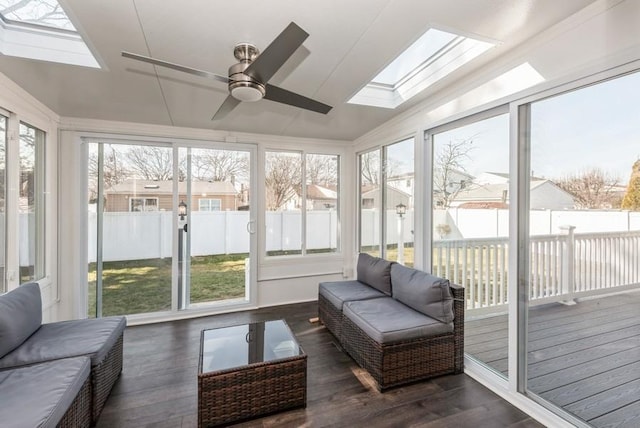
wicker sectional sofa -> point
(58, 374)
(399, 323)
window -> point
(369, 197)
(321, 203)
(143, 204)
(209, 205)
(3, 169)
(40, 29)
(301, 219)
(432, 57)
(386, 212)
(31, 203)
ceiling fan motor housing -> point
(241, 86)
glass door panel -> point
(470, 229)
(130, 219)
(218, 238)
(583, 342)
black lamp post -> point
(401, 209)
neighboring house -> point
(371, 196)
(444, 193)
(149, 195)
(405, 183)
(544, 194)
(321, 198)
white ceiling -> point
(349, 43)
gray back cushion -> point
(423, 292)
(20, 316)
(375, 272)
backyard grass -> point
(140, 286)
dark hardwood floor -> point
(158, 386)
(584, 358)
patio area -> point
(158, 386)
(584, 357)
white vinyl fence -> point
(148, 235)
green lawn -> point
(139, 286)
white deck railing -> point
(562, 267)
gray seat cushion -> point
(375, 272)
(386, 320)
(20, 316)
(39, 395)
(91, 337)
(338, 292)
(423, 292)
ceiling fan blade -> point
(277, 53)
(283, 96)
(229, 104)
(173, 66)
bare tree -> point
(449, 170)
(322, 170)
(591, 188)
(370, 168)
(151, 163)
(283, 174)
(114, 170)
(44, 12)
(220, 165)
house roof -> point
(494, 192)
(320, 193)
(152, 187)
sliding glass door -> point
(170, 227)
(470, 227)
(583, 315)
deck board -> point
(583, 357)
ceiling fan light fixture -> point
(247, 91)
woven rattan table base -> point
(251, 391)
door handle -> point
(250, 228)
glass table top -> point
(228, 347)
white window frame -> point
(144, 200)
(209, 204)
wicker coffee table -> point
(249, 370)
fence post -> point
(568, 265)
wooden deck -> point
(158, 386)
(584, 358)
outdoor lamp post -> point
(182, 210)
(401, 210)
(182, 228)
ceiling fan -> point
(248, 79)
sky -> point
(597, 126)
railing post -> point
(568, 265)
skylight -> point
(430, 58)
(40, 29)
(47, 13)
